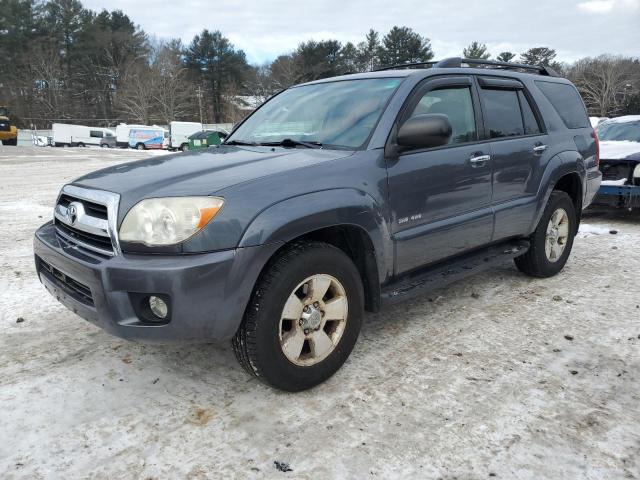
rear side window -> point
(95, 133)
(502, 112)
(567, 102)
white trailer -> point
(66, 135)
(179, 133)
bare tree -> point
(605, 81)
(173, 92)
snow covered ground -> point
(499, 376)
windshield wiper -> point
(288, 142)
(240, 142)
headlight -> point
(167, 221)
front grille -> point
(95, 209)
(71, 234)
(81, 217)
(77, 290)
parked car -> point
(620, 162)
(595, 121)
(384, 185)
(108, 141)
(66, 135)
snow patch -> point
(586, 228)
(618, 149)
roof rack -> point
(457, 62)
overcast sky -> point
(267, 28)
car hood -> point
(618, 150)
(201, 173)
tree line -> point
(64, 62)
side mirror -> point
(425, 131)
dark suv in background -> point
(334, 197)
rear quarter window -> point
(567, 102)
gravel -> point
(457, 385)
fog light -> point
(158, 307)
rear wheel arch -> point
(571, 184)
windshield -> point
(629, 131)
(334, 114)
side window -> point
(455, 103)
(502, 112)
(531, 126)
(567, 102)
(95, 133)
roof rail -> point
(457, 62)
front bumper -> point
(623, 196)
(208, 292)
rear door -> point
(440, 198)
(518, 151)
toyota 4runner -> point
(334, 197)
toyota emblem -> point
(72, 213)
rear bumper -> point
(207, 292)
(593, 180)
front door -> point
(440, 197)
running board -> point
(447, 272)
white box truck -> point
(122, 134)
(179, 133)
(66, 135)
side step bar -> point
(447, 272)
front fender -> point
(297, 216)
(563, 163)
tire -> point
(184, 147)
(81, 144)
(104, 145)
(258, 343)
(538, 261)
(140, 146)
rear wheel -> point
(303, 319)
(552, 240)
(184, 147)
(140, 146)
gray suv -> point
(334, 197)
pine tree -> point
(477, 51)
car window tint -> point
(502, 111)
(531, 126)
(567, 102)
(455, 103)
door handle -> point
(539, 148)
(479, 161)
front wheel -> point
(552, 240)
(140, 146)
(303, 319)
